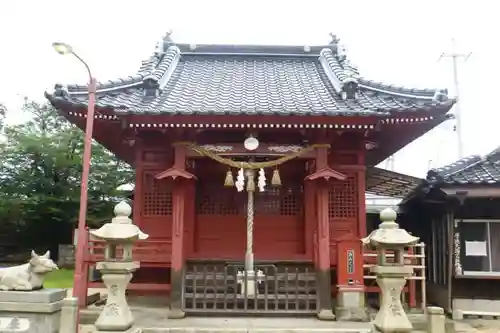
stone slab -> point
(38, 322)
(255, 325)
(14, 324)
(93, 329)
(8, 307)
(251, 330)
(33, 296)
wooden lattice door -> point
(220, 227)
(156, 212)
(219, 214)
(279, 219)
(343, 206)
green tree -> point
(40, 172)
(3, 111)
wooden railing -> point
(147, 252)
(414, 258)
(150, 254)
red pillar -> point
(361, 175)
(323, 234)
(138, 188)
(177, 259)
(310, 219)
(189, 218)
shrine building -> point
(252, 164)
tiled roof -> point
(389, 183)
(226, 79)
(470, 170)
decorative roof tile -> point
(469, 170)
(247, 79)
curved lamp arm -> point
(63, 49)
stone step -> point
(258, 325)
(252, 330)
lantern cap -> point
(389, 235)
(121, 228)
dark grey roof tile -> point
(469, 170)
(252, 80)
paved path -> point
(243, 325)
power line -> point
(454, 55)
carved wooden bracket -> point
(326, 173)
(175, 173)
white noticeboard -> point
(476, 248)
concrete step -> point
(150, 324)
(258, 325)
(253, 330)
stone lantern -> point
(391, 276)
(117, 268)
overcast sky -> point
(396, 42)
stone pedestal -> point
(436, 320)
(391, 272)
(36, 311)
(69, 315)
(391, 316)
(117, 267)
(116, 315)
(351, 304)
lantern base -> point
(116, 314)
(391, 316)
(326, 315)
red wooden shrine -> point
(216, 96)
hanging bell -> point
(229, 181)
(276, 179)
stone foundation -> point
(42, 308)
(351, 304)
(475, 307)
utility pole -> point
(455, 55)
(389, 163)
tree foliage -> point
(40, 173)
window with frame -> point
(479, 247)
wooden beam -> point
(237, 149)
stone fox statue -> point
(28, 276)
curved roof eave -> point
(343, 78)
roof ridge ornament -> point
(441, 95)
(167, 37)
(163, 45)
(342, 52)
(343, 78)
(334, 39)
(167, 40)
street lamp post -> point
(79, 283)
